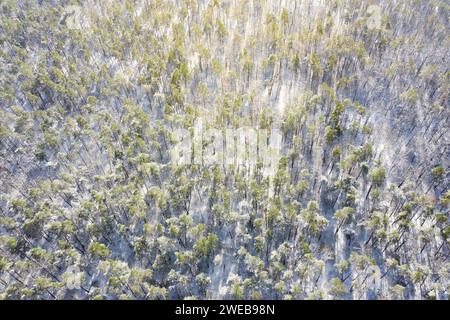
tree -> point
(343, 215)
(205, 245)
(337, 288)
(99, 250)
(377, 176)
(315, 223)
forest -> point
(321, 168)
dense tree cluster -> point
(92, 207)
